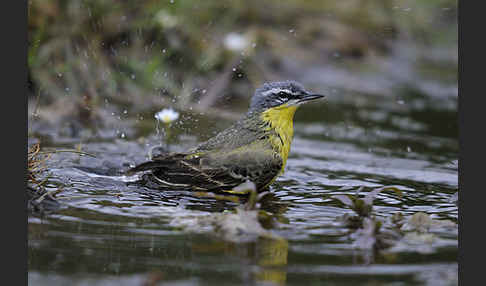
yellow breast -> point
(281, 120)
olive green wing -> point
(250, 162)
(184, 172)
(244, 132)
(212, 171)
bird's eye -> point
(282, 95)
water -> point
(110, 233)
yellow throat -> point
(281, 119)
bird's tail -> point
(160, 163)
(143, 167)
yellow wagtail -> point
(255, 148)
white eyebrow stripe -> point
(276, 90)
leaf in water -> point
(366, 238)
(371, 195)
(242, 226)
(344, 199)
(362, 208)
(422, 223)
(237, 226)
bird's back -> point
(243, 132)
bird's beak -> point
(309, 96)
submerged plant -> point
(35, 164)
(367, 230)
(374, 236)
(245, 223)
(362, 207)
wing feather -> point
(212, 171)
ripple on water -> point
(128, 223)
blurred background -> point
(202, 55)
(99, 71)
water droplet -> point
(122, 135)
(409, 149)
(234, 69)
(125, 111)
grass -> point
(173, 51)
(36, 165)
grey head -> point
(274, 94)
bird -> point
(255, 148)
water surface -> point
(401, 135)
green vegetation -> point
(181, 50)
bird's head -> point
(280, 94)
